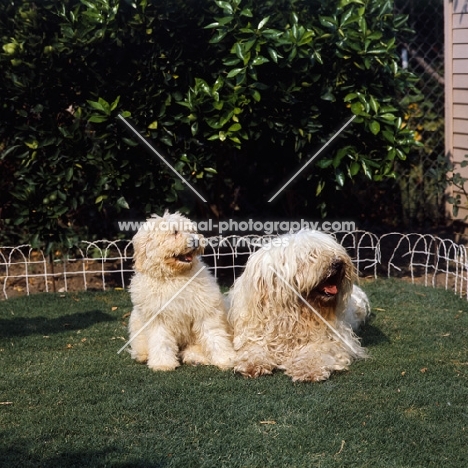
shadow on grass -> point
(96, 459)
(15, 457)
(22, 326)
(371, 335)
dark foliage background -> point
(237, 94)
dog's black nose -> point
(337, 266)
(196, 241)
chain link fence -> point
(423, 182)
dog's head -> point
(166, 245)
(325, 272)
(307, 266)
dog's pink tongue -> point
(331, 289)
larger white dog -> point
(295, 307)
(178, 309)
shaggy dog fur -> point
(273, 304)
(172, 318)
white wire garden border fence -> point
(104, 264)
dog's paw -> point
(163, 363)
(163, 367)
(253, 370)
(225, 361)
(223, 365)
(195, 362)
(194, 357)
(312, 376)
(139, 357)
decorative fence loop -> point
(105, 264)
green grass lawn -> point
(68, 399)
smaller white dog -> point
(178, 309)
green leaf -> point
(100, 198)
(239, 50)
(374, 104)
(327, 21)
(234, 72)
(69, 174)
(12, 148)
(328, 96)
(354, 168)
(391, 153)
(122, 203)
(366, 169)
(259, 60)
(229, 62)
(344, 3)
(400, 154)
(97, 118)
(273, 54)
(306, 38)
(212, 25)
(129, 142)
(226, 6)
(272, 34)
(234, 127)
(340, 177)
(249, 44)
(178, 185)
(10, 48)
(320, 187)
(96, 105)
(388, 135)
(357, 108)
(324, 163)
(256, 95)
(115, 103)
(218, 38)
(32, 144)
(350, 97)
(374, 127)
(263, 22)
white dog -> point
(178, 309)
(294, 308)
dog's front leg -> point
(162, 349)
(215, 341)
(253, 360)
(138, 339)
(316, 362)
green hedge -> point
(237, 94)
